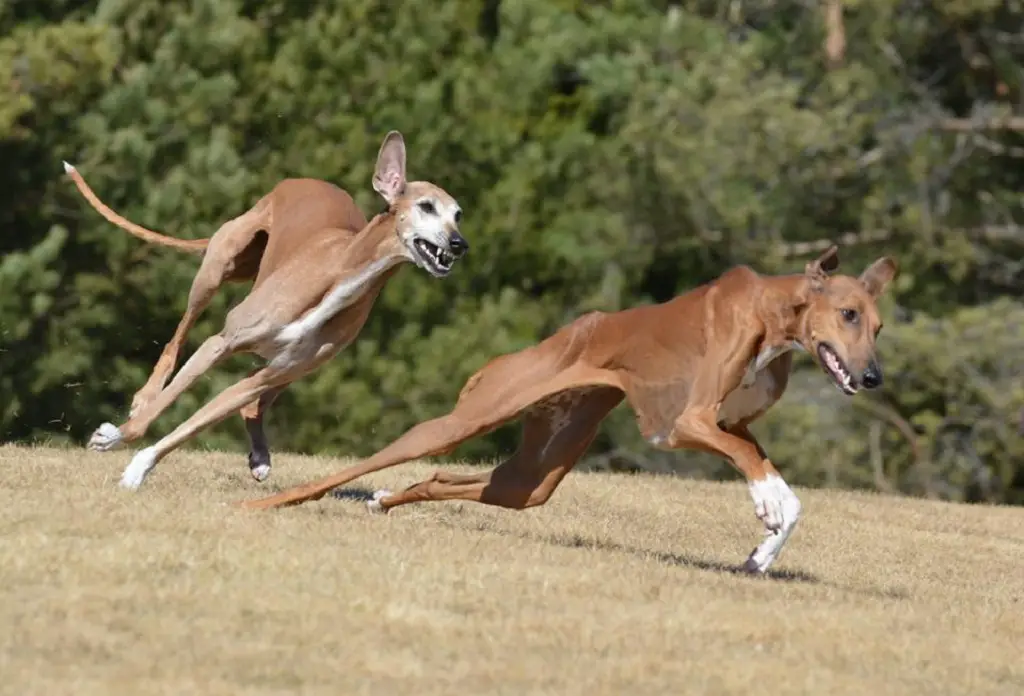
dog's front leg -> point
(775, 504)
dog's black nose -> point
(458, 244)
(872, 376)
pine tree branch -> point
(1013, 124)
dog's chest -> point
(745, 401)
(758, 390)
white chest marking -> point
(765, 357)
(757, 388)
(341, 296)
(299, 342)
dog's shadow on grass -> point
(454, 518)
(679, 559)
(673, 559)
(361, 494)
(356, 494)
(794, 575)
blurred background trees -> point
(607, 154)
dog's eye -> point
(427, 207)
(458, 216)
(850, 315)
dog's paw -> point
(136, 471)
(373, 505)
(775, 504)
(758, 562)
(778, 508)
(259, 464)
(105, 438)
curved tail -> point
(195, 246)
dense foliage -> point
(606, 153)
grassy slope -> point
(619, 583)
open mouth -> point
(436, 260)
(835, 369)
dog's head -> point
(840, 321)
(426, 216)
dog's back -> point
(301, 208)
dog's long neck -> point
(373, 256)
(780, 307)
(783, 306)
(375, 242)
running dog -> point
(318, 267)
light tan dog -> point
(697, 370)
(318, 267)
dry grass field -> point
(621, 584)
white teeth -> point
(838, 371)
(440, 257)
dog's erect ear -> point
(826, 263)
(818, 269)
(877, 276)
(389, 177)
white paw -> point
(775, 504)
(106, 437)
(374, 505)
(136, 471)
(766, 552)
(260, 472)
(778, 508)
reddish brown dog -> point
(697, 370)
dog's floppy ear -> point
(818, 269)
(877, 276)
(389, 177)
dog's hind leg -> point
(497, 393)
(429, 438)
(556, 433)
(254, 414)
(233, 254)
(217, 409)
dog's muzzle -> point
(439, 260)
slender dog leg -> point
(220, 264)
(556, 433)
(774, 503)
(426, 439)
(220, 407)
(205, 285)
(108, 435)
(253, 414)
(479, 409)
(774, 489)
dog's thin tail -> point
(195, 246)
